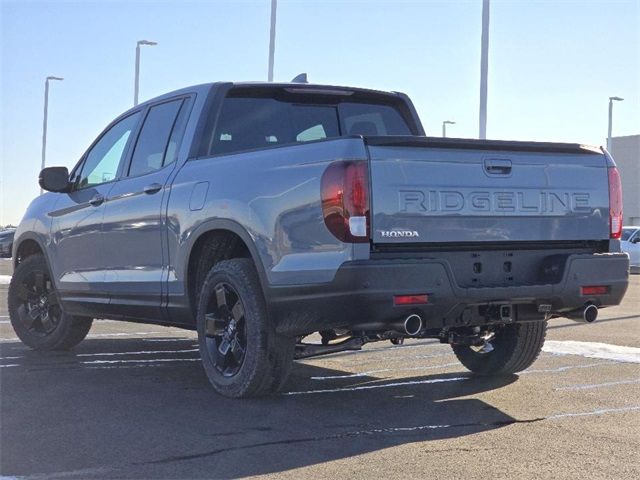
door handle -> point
(498, 166)
(153, 188)
(97, 200)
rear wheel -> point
(35, 312)
(514, 348)
(241, 353)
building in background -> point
(626, 152)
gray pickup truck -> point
(259, 214)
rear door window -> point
(153, 149)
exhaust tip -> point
(590, 314)
(413, 324)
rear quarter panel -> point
(273, 195)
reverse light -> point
(345, 200)
(594, 290)
(411, 299)
(615, 203)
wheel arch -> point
(27, 245)
(242, 245)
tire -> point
(515, 348)
(36, 315)
(241, 353)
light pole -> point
(44, 121)
(136, 86)
(444, 127)
(484, 67)
(272, 39)
(611, 100)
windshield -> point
(627, 233)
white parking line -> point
(142, 352)
(384, 370)
(5, 279)
(152, 360)
(121, 334)
(109, 354)
(386, 385)
(393, 359)
(120, 367)
(601, 411)
(433, 427)
(182, 339)
(606, 351)
(599, 385)
(568, 367)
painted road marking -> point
(141, 352)
(384, 370)
(564, 369)
(593, 350)
(600, 411)
(386, 385)
(91, 362)
(599, 385)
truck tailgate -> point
(427, 190)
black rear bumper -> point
(362, 293)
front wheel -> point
(35, 312)
(514, 348)
(241, 353)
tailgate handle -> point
(497, 166)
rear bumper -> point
(362, 292)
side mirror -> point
(54, 179)
(636, 240)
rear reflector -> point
(615, 203)
(411, 299)
(594, 290)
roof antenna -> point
(301, 78)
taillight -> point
(345, 200)
(615, 203)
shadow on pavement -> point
(163, 420)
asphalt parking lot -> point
(132, 401)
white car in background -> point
(630, 243)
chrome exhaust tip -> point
(588, 314)
(413, 324)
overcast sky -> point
(552, 65)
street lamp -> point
(44, 122)
(137, 79)
(484, 69)
(272, 39)
(444, 127)
(611, 100)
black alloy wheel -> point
(36, 312)
(242, 354)
(38, 309)
(226, 335)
